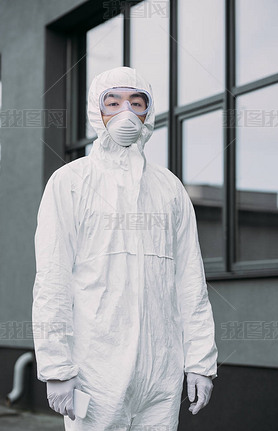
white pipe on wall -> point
(18, 381)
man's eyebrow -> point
(112, 95)
(119, 95)
(136, 95)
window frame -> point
(228, 268)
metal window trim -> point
(81, 144)
(82, 86)
(69, 105)
(73, 98)
(214, 265)
(255, 85)
(200, 109)
(161, 120)
(256, 265)
(241, 275)
(126, 34)
(174, 144)
(202, 104)
(229, 208)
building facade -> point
(213, 66)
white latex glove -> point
(204, 389)
(60, 395)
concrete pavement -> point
(19, 420)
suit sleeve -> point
(200, 352)
(52, 309)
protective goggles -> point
(118, 99)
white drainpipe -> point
(18, 382)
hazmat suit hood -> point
(105, 150)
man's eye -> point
(113, 104)
(137, 104)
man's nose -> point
(126, 106)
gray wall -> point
(22, 50)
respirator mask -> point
(124, 104)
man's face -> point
(116, 100)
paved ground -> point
(18, 420)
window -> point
(256, 175)
(104, 51)
(203, 178)
(156, 149)
(150, 48)
(200, 49)
(256, 40)
(214, 73)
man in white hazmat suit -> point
(120, 290)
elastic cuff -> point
(63, 373)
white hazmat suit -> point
(120, 297)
